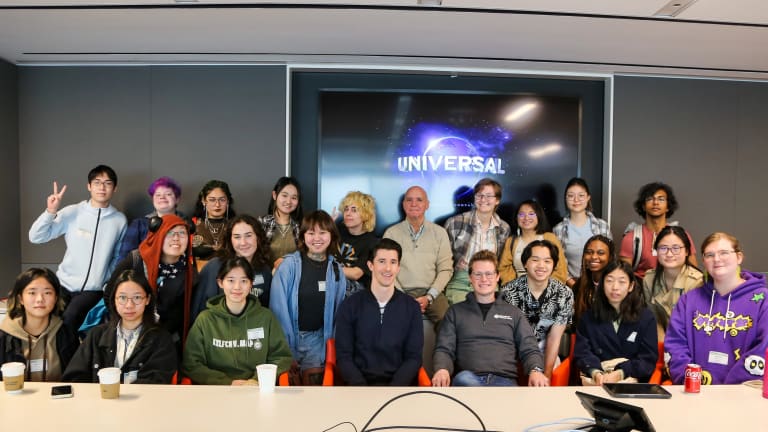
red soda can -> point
(693, 378)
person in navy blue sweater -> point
(379, 335)
(616, 339)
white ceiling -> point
(710, 37)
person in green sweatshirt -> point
(234, 334)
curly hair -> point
(207, 188)
(263, 255)
(365, 204)
(648, 191)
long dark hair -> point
(130, 275)
(630, 307)
(543, 225)
(263, 255)
(207, 188)
(298, 214)
(584, 290)
(16, 306)
(577, 181)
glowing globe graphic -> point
(441, 147)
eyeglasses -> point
(213, 201)
(136, 300)
(99, 183)
(659, 199)
(663, 250)
(487, 197)
(529, 214)
(576, 197)
(480, 275)
(722, 254)
(176, 234)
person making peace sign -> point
(92, 229)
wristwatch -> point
(430, 299)
(536, 369)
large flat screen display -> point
(383, 140)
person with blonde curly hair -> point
(357, 238)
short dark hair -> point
(386, 244)
(263, 255)
(102, 169)
(647, 191)
(16, 307)
(577, 181)
(484, 255)
(298, 214)
(553, 251)
(543, 225)
(631, 306)
(130, 275)
(232, 263)
(323, 220)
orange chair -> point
(657, 373)
(560, 374)
(331, 377)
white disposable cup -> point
(109, 380)
(267, 374)
(13, 376)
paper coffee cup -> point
(267, 374)
(13, 377)
(109, 382)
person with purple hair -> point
(165, 193)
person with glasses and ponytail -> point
(673, 276)
(33, 332)
(131, 340)
(723, 324)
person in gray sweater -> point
(482, 337)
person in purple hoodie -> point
(722, 325)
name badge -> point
(36, 365)
(130, 377)
(256, 333)
(632, 337)
(258, 279)
(321, 286)
(718, 358)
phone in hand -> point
(62, 391)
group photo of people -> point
(477, 300)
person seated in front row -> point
(244, 237)
(131, 340)
(482, 337)
(616, 339)
(723, 324)
(306, 292)
(234, 334)
(379, 334)
(545, 301)
(33, 332)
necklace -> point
(216, 231)
(283, 229)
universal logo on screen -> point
(450, 154)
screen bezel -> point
(636, 390)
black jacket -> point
(66, 345)
(154, 356)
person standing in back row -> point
(92, 230)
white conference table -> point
(223, 408)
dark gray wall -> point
(9, 176)
(708, 139)
(191, 123)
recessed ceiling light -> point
(429, 2)
(673, 8)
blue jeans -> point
(471, 379)
(310, 349)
